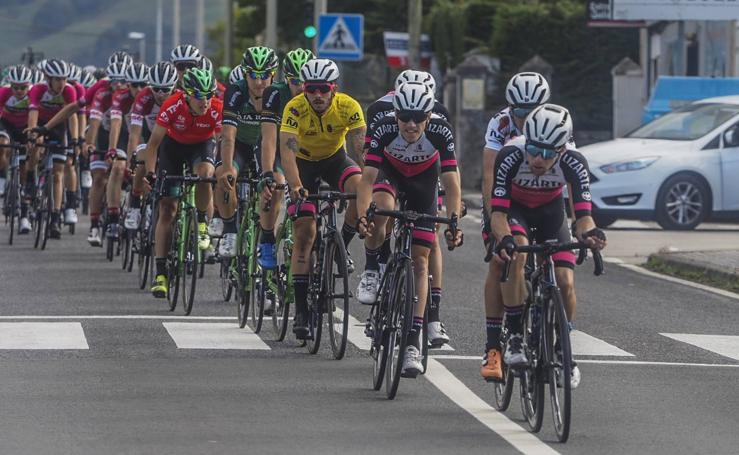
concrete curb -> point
(685, 262)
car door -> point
(730, 168)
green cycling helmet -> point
(260, 58)
(294, 60)
(198, 81)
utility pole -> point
(415, 15)
(176, 23)
(158, 39)
(319, 7)
(271, 33)
(200, 24)
(228, 33)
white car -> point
(679, 169)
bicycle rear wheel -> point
(559, 366)
(337, 295)
(225, 278)
(400, 322)
(189, 267)
(315, 304)
(531, 379)
(243, 290)
(125, 246)
(281, 287)
(378, 320)
(174, 268)
(502, 391)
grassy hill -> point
(87, 31)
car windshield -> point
(687, 123)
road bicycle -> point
(12, 197)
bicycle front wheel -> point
(11, 199)
(174, 268)
(559, 362)
(337, 295)
(225, 277)
(281, 286)
(531, 378)
(400, 322)
(190, 263)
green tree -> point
(446, 24)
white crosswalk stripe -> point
(42, 335)
(213, 335)
(725, 345)
(584, 344)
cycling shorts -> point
(173, 155)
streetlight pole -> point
(159, 31)
(141, 37)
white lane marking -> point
(211, 335)
(584, 344)
(609, 362)
(358, 338)
(42, 335)
(725, 345)
(466, 399)
(646, 272)
(122, 316)
(438, 375)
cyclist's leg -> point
(226, 200)
(171, 159)
(491, 368)
(138, 188)
(344, 174)
(59, 159)
(4, 154)
(70, 174)
(115, 181)
(202, 161)
(268, 219)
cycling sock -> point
(413, 334)
(94, 220)
(385, 248)
(113, 215)
(202, 217)
(434, 307)
(348, 233)
(229, 225)
(372, 256)
(54, 216)
(268, 236)
(300, 285)
(135, 200)
(71, 199)
(24, 209)
(513, 316)
(493, 327)
(161, 264)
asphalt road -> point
(92, 365)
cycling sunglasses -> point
(522, 112)
(322, 88)
(202, 96)
(161, 90)
(19, 87)
(407, 116)
(52, 79)
(260, 75)
(184, 66)
(535, 150)
(139, 84)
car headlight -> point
(631, 165)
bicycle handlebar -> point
(549, 249)
(189, 179)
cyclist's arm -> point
(81, 125)
(488, 163)
(91, 136)
(134, 139)
(289, 146)
(73, 127)
(115, 132)
(228, 145)
(453, 190)
(32, 118)
(150, 154)
(499, 225)
(62, 115)
(269, 146)
(355, 143)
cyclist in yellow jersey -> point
(314, 128)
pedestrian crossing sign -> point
(341, 36)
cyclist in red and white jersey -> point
(162, 80)
(45, 101)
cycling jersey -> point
(274, 98)
(14, 110)
(515, 181)
(186, 128)
(501, 129)
(89, 98)
(321, 136)
(121, 106)
(145, 108)
(47, 103)
(239, 112)
(384, 106)
(100, 108)
(388, 148)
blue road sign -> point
(341, 36)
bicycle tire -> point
(143, 267)
(173, 268)
(503, 391)
(243, 292)
(558, 330)
(49, 191)
(402, 319)
(378, 318)
(315, 315)
(189, 268)
(145, 233)
(71, 228)
(131, 239)
(225, 277)
(126, 249)
(337, 286)
(12, 191)
(281, 280)
(85, 201)
(255, 281)
(425, 332)
(531, 378)
(110, 248)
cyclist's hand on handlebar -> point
(149, 181)
(87, 150)
(365, 227)
(506, 248)
(266, 185)
(227, 176)
(456, 240)
(298, 193)
(595, 239)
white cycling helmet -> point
(87, 79)
(205, 64)
(120, 57)
(55, 68)
(75, 72)
(38, 77)
(163, 74)
(416, 76)
(413, 96)
(319, 70)
(116, 71)
(236, 75)
(19, 74)
(137, 72)
(40, 64)
(548, 126)
(527, 90)
(185, 53)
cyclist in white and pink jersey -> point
(46, 100)
(162, 80)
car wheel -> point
(603, 221)
(683, 202)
